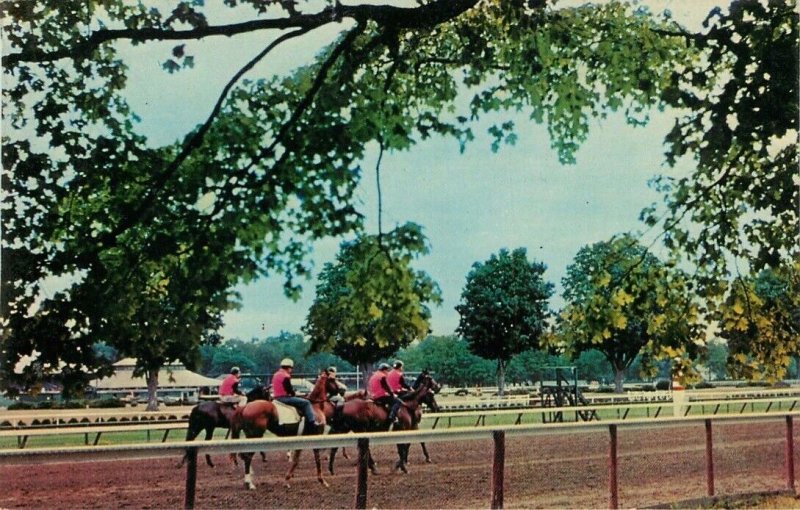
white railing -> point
(363, 441)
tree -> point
(274, 165)
(371, 302)
(623, 301)
(740, 130)
(760, 319)
(717, 359)
(449, 358)
(503, 307)
(593, 365)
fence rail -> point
(363, 441)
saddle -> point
(287, 415)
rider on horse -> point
(379, 390)
(397, 383)
(283, 392)
(229, 391)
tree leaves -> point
(503, 306)
(371, 302)
(623, 301)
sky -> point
(470, 204)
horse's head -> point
(429, 387)
(260, 392)
(325, 386)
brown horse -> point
(363, 415)
(410, 414)
(210, 415)
(260, 416)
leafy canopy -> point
(503, 306)
(760, 319)
(371, 301)
(623, 301)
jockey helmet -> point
(287, 362)
(331, 370)
(398, 363)
(235, 370)
(383, 366)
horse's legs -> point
(371, 463)
(402, 457)
(319, 469)
(330, 459)
(247, 457)
(209, 435)
(294, 461)
(425, 451)
(344, 453)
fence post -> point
(789, 454)
(498, 468)
(191, 477)
(363, 467)
(709, 458)
(613, 494)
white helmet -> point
(287, 362)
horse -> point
(256, 418)
(413, 415)
(363, 415)
(210, 415)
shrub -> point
(20, 405)
(106, 403)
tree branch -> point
(427, 15)
(189, 146)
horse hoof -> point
(428, 461)
(324, 483)
(250, 486)
(287, 485)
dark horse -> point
(258, 417)
(412, 415)
(210, 415)
(363, 415)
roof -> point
(174, 375)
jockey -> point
(229, 392)
(379, 390)
(283, 392)
(335, 396)
(398, 385)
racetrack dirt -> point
(657, 466)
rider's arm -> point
(404, 384)
(236, 390)
(386, 387)
(287, 385)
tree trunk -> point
(366, 371)
(501, 378)
(152, 390)
(619, 376)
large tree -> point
(760, 319)
(275, 163)
(503, 307)
(738, 134)
(624, 302)
(371, 301)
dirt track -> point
(562, 471)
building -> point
(175, 383)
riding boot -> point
(393, 413)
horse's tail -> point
(194, 425)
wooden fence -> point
(363, 441)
